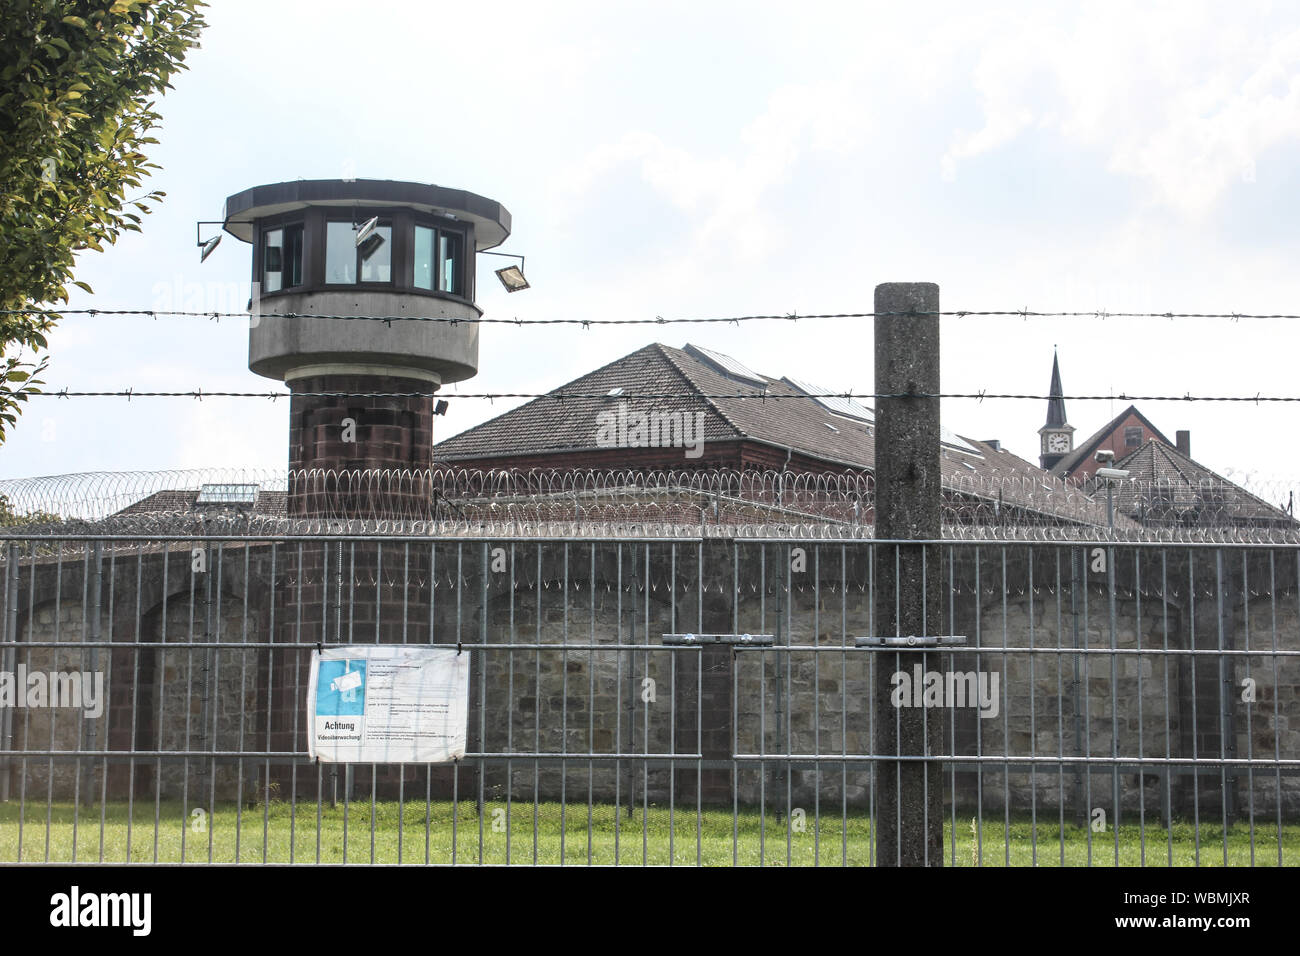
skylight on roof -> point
(227, 495)
(832, 403)
(726, 365)
(952, 440)
(851, 408)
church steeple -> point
(1056, 397)
(1057, 435)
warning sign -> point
(388, 704)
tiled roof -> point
(763, 414)
(554, 423)
(1165, 486)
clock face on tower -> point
(1058, 443)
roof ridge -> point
(1177, 465)
(665, 351)
(1218, 477)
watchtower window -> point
(340, 253)
(424, 262)
(376, 263)
(450, 253)
(345, 260)
(417, 251)
(439, 260)
(281, 258)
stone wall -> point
(58, 728)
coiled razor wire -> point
(540, 503)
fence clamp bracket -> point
(903, 643)
(736, 640)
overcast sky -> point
(706, 159)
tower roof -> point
(1056, 398)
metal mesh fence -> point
(651, 700)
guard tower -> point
(343, 273)
(362, 249)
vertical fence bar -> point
(1195, 692)
(1164, 659)
(979, 727)
(7, 659)
(481, 658)
(564, 696)
(1141, 738)
(1033, 721)
(844, 706)
(1060, 708)
(952, 713)
(1250, 737)
(1113, 628)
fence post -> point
(908, 596)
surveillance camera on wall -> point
(1104, 455)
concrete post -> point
(908, 582)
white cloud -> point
(726, 194)
(1181, 98)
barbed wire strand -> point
(200, 394)
(657, 320)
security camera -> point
(1117, 473)
(1104, 455)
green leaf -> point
(118, 54)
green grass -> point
(290, 834)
